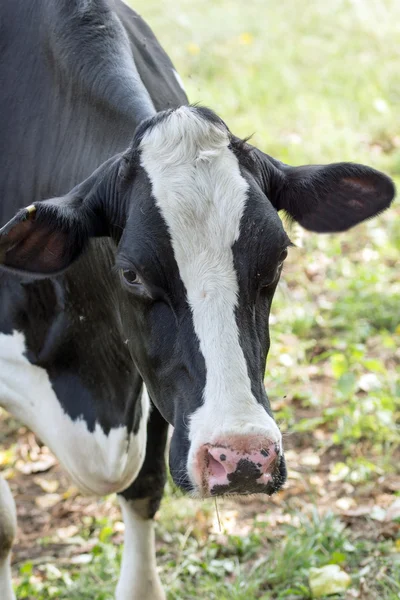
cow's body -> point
(189, 215)
(65, 370)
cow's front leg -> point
(8, 530)
(139, 579)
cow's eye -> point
(130, 277)
(283, 256)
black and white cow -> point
(140, 297)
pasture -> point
(315, 83)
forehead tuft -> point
(185, 135)
(195, 181)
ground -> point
(316, 82)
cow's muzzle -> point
(238, 466)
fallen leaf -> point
(47, 501)
(368, 382)
(384, 500)
(378, 513)
(338, 472)
(286, 360)
(310, 459)
(45, 463)
(295, 475)
(119, 526)
(345, 503)
(359, 511)
(392, 483)
(48, 485)
(82, 559)
(67, 532)
(393, 512)
(328, 580)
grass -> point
(233, 567)
(316, 82)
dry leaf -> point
(81, 559)
(378, 513)
(393, 512)
(46, 462)
(328, 580)
(65, 533)
(345, 503)
(392, 483)
(50, 486)
(368, 382)
(48, 501)
(359, 511)
(310, 459)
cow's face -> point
(200, 249)
(200, 256)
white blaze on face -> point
(201, 194)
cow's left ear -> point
(330, 198)
(45, 238)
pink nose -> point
(233, 468)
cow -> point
(140, 251)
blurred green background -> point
(315, 82)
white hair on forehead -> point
(186, 136)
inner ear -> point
(365, 186)
(41, 242)
(45, 249)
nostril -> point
(215, 467)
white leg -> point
(8, 530)
(139, 579)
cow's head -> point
(200, 247)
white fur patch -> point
(201, 194)
(138, 577)
(6, 588)
(98, 463)
(8, 531)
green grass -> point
(315, 82)
(259, 565)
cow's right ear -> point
(45, 238)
